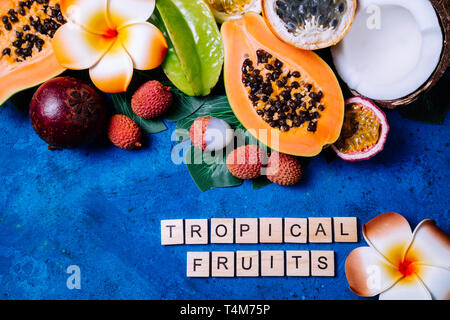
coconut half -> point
(309, 24)
(391, 51)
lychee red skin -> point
(124, 132)
(197, 132)
(245, 162)
(151, 100)
(283, 169)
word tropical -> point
(262, 230)
(260, 263)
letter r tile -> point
(196, 231)
(222, 264)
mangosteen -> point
(66, 112)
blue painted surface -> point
(100, 208)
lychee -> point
(284, 169)
(246, 162)
(124, 132)
(210, 134)
(151, 100)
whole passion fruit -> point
(66, 112)
(364, 131)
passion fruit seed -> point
(45, 18)
(361, 129)
(296, 15)
(225, 10)
(279, 95)
(230, 6)
(365, 130)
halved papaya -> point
(288, 98)
(26, 54)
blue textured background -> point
(100, 208)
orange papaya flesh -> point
(288, 98)
(26, 54)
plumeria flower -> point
(400, 264)
(110, 37)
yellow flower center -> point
(407, 267)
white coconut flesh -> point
(310, 24)
(392, 49)
(218, 134)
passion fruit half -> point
(309, 24)
(225, 10)
(364, 131)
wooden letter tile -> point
(247, 263)
(222, 230)
(272, 263)
(271, 230)
(295, 230)
(322, 263)
(222, 264)
(246, 230)
(197, 264)
(172, 232)
(196, 231)
(320, 230)
(345, 229)
(297, 263)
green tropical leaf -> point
(212, 172)
(183, 105)
(209, 170)
(260, 183)
(214, 106)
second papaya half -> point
(288, 98)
